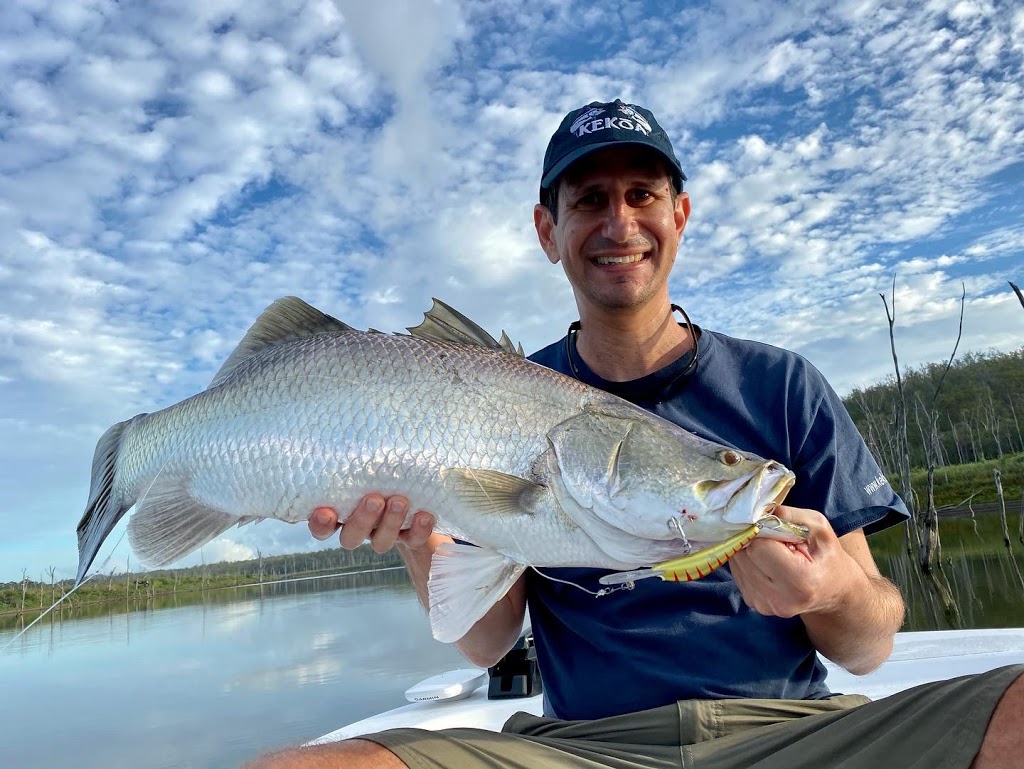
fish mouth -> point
(747, 498)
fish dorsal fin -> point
(285, 320)
(442, 323)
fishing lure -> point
(703, 562)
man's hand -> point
(780, 579)
(850, 610)
(380, 520)
(377, 519)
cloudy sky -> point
(169, 169)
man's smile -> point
(630, 259)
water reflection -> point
(212, 678)
(379, 579)
(987, 588)
(209, 679)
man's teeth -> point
(619, 259)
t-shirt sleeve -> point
(836, 473)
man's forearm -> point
(858, 633)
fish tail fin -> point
(106, 505)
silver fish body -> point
(533, 467)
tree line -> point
(30, 595)
(980, 409)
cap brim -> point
(560, 167)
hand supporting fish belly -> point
(532, 467)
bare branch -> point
(959, 336)
(1017, 292)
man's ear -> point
(682, 212)
(544, 223)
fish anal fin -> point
(494, 492)
(465, 582)
(168, 523)
(286, 319)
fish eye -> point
(729, 457)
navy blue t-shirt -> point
(637, 649)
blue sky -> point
(169, 169)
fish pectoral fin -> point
(168, 523)
(465, 582)
(493, 492)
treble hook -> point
(675, 523)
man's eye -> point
(640, 196)
(590, 200)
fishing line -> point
(66, 595)
(52, 607)
(596, 593)
(511, 532)
(96, 569)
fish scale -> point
(533, 467)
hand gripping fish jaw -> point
(703, 562)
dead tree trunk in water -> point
(997, 477)
(925, 526)
(24, 588)
(902, 448)
(1020, 521)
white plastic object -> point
(452, 685)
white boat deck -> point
(917, 658)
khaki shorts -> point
(938, 725)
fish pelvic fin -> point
(169, 523)
(285, 320)
(442, 323)
(465, 582)
(106, 506)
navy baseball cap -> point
(599, 125)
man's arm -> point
(850, 610)
(379, 520)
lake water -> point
(237, 673)
(215, 683)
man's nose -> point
(620, 222)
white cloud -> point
(223, 549)
(167, 172)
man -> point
(721, 673)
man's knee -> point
(1003, 744)
(351, 754)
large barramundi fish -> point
(532, 467)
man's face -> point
(618, 228)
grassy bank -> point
(32, 597)
(955, 484)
